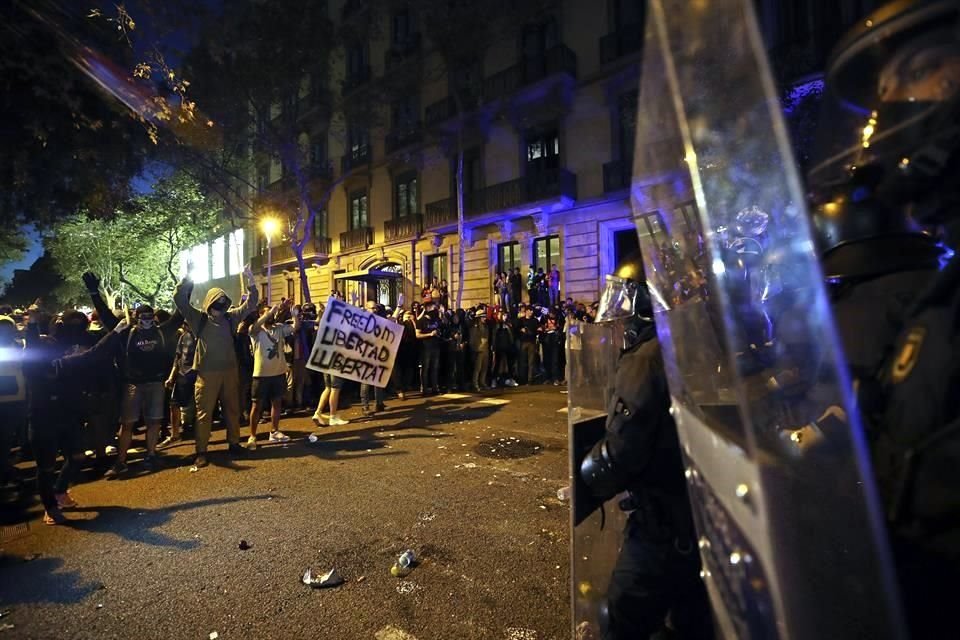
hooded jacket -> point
(215, 336)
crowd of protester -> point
(78, 388)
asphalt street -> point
(469, 482)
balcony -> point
(443, 110)
(617, 175)
(359, 238)
(557, 60)
(401, 51)
(403, 228)
(356, 78)
(623, 42)
(404, 136)
(320, 170)
(282, 253)
(552, 183)
(355, 159)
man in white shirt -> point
(270, 368)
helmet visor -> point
(619, 299)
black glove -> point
(91, 281)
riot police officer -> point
(892, 132)
(657, 574)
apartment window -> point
(404, 113)
(235, 251)
(508, 257)
(625, 13)
(537, 39)
(402, 29)
(291, 291)
(200, 257)
(546, 252)
(320, 224)
(436, 268)
(627, 123)
(318, 151)
(468, 81)
(542, 150)
(218, 250)
(406, 193)
(358, 210)
(472, 176)
(358, 141)
(357, 61)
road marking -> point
(391, 632)
(494, 401)
(455, 396)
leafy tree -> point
(137, 251)
(259, 67)
(66, 144)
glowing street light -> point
(270, 227)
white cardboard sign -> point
(354, 344)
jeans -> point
(55, 428)
(528, 350)
(481, 364)
(431, 367)
(379, 393)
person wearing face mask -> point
(218, 376)
(428, 332)
(142, 353)
(54, 405)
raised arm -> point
(107, 317)
(253, 298)
(181, 299)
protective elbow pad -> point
(598, 471)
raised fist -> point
(91, 281)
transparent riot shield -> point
(791, 536)
(592, 351)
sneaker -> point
(556, 383)
(366, 413)
(169, 441)
(512, 383)
(265, 419)
(201, 461)
(236, 450)
(381, 407)
(318, 419)
(493, 384)
(252, 443)
(53, 517)
(279, 436)
(150, 461)
(338, 422)
(115, 471)
(401, 396)
(66, 501)
(111, 450)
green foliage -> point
(135, 251)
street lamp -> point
(270, 227)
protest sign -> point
(355, 344)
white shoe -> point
(318, 419)
(338, 422)
(279, 436)
(252, 443)
(111, 450)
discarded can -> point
(404, 564)
(563, 494)
(312, 438)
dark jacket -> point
(39, 370)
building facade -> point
(548, 138)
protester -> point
(553, 279)
(182, 382)
(13, 397)
(268, 335)
(331, 394)
(479, 337)
(54, 404)
(379, 393)
(529, 330)
(503, 349)
(218, 375)
(301, 343)
(456, 346)
(428, 332)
